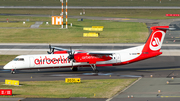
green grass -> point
(103, 88)
(4, 59)
(16, 24)
(90, 3)
(114, 32)
(23, 18)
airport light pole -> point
(62, 14)
(66, 15)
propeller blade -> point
(50, 52)
(72, 63)
(71, 54)
(71, 50)
(50, 47)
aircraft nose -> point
(7, 66)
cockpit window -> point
(18, 59)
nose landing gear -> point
(13, 71)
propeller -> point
(50, 52)
(71, 55)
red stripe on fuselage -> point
(143, 56)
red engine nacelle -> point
(60, 52)
(91, 59)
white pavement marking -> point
(170, 52)
(166, 52)
(11, 99)
(71, 44)
(124, 89)
(62, 44)
(89, 7)
(36, 25)
(44, 51)
(22, 51)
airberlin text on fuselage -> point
(47, 60)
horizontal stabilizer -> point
(167, 28)
(175, 24)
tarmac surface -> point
(88, 7)
(24, 49)
(161, 68)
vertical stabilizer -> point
(155, 40)
(152, 46)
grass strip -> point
(15, 24)
(102, 88)
(4, 59)
(114, 32)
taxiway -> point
(161, 68)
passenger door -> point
(118, 57)
(31, 62)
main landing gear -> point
(13, 71)
(93, 66)
(74, 69)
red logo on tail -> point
(156, 40)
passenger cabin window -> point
(18, 59)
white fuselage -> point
(61, 60)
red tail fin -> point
(155, 40)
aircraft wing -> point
(90, 53)
(68, 50)
(93, 53)
(60, 49)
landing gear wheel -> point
(74, 69)
(96, 71)
(13, 72)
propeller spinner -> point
(50, 52)
(71, 56)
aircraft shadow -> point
(101, 69)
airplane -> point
(68, 58)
